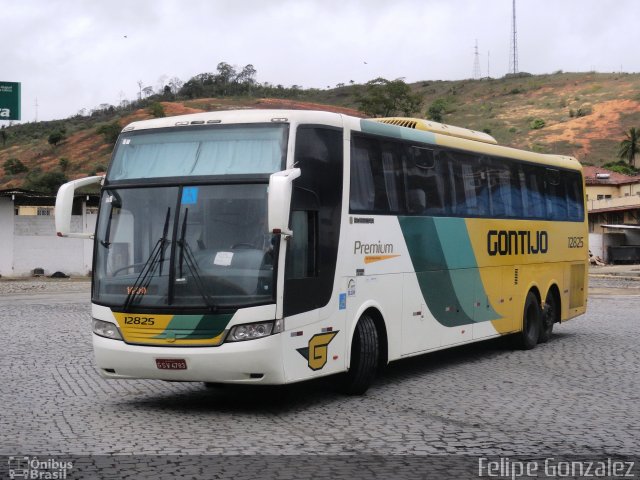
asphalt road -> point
(578, 394)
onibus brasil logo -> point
(36, 468)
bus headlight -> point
(251, 331)
(106, 329)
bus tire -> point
(365, 355)
(550, 315)
(531, 323)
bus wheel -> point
(365, 354)
(550, 315)
(531, 323)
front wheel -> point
(365, 355)
(531, 323)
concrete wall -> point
(595, 245)
(28, 242)
(6, 236)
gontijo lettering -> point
(369, 248)
(517, 242)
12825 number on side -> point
(576, 242)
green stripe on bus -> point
(193, 327)
(446, 269)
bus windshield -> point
(199, 151)
(214, 251)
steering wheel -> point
(126, 267)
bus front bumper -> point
(250, 362)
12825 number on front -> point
(139, 321)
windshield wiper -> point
(146, 274)
(186, 256)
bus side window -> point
(427, 180)
(376, 177)
(362, 196)
(555, 194)
(471, 185)
(575, 196)
(301, 258)
(534, 188)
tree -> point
(4, 135)
(110, 131)
(384, 98)
(48, 182)
(147, 91)
(56, 137)
(437, 109)
(13, 166)
(157, 110)
(175, 84)
(630, 146)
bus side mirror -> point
(279, 200)
(64, 205)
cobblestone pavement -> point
(579, 393)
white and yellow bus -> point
(268, 247)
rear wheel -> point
(531, 323)
(550, 315)
(365, 355)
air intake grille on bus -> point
(439, 128)
(400, 122)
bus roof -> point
(395, 127)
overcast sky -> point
(78, 54)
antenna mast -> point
(513, 49)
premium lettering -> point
(372, 248)
(517, 242)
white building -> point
(28, 239)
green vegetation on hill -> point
(586, 115)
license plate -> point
(171, 363)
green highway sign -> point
(9, 101)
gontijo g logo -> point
(318, 350)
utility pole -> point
(36, 105)
(488, 64)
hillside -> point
(580, 114)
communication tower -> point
(476, 63)
(513, 49)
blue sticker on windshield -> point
(189, 195)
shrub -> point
(157, 110)
(13, 166)
(64, 164)
(56, 137)
(110, 132)
(537, 124)
(47, 182)
(584, 111)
